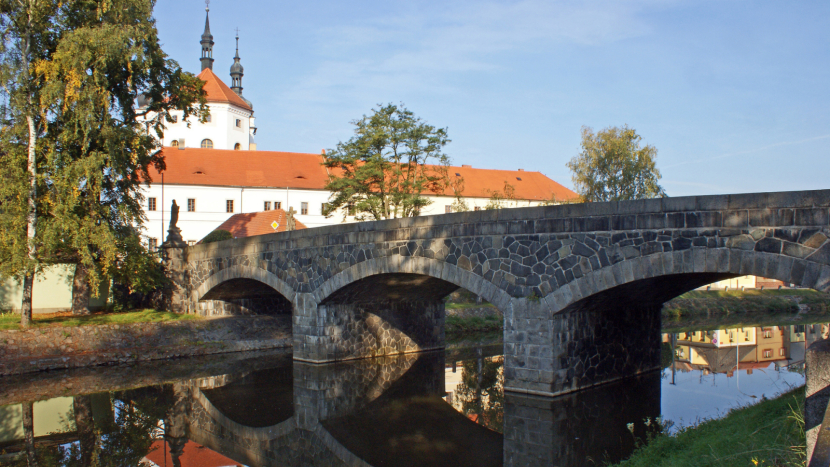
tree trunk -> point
(26, 306)
(29, 433)
(31, 217)
(85, 426)
(80, 291)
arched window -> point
(174, 143)
(207, 144)
(237, 147)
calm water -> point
(440, 408)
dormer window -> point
(237, 147)
(238, 123)
(207, 144)
(174, 143)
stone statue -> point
(174, 233)
(290, 223)
(174, 215)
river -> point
(436, 408)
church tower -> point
(207, 40)
(237, 71)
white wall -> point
(210, 207)
(221, 128)
(211, 201)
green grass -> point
(12, 320)
(719, 302)
(457, 327)
(461, 306)
(769, 433)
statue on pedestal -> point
(174, 234)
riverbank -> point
(57, 347)
(769, 433)
(723, 302)
(10, 321)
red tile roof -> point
(218, 91)
(193, 455)
(257, 223)
(271, 169)
(225, 167)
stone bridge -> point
(580, 285)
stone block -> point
(681, 203)
(738, 219)
(812, 216)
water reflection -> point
(441, 408)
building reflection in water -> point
(440, 408)
(725, 351)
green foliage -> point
(769, 433)
(613, 166)
(217, 235)
(383, 171)
(480, 391)
(502, 199)
(93, 153)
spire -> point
(207, 40)
(236, 70)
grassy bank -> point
(458, 328)
(769, 433)
(720, 302)
(12, 320)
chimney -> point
(323, 152)
(468, 166)
(181, 143)
(521, 170)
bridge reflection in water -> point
(393, 411)
(263, 409)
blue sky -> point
(735, 95)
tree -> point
(383, 171)
(95, 151)
(502, 199)
(27, 36)
(613, 166)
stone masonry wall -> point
(50, 348)
(534, 263)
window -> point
(767, 334)
(151, 204)
(447, 209)
(781, 352)
(207, 144)
(191, 242)
(191, 205)
(277, 204)
(519, 178)
(207, 118)
(174, 118)
(767, 353)
(237, 147)
(229, 205)
(322, 208)
(350, 209)
(477, 208)
(267, 206)
(174, 143)
(238, 123)
(152, 244)
(304, 208)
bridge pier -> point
(349, 331)
(582, 346)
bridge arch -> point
(243, 289)
(417, 265)
(687, 270)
